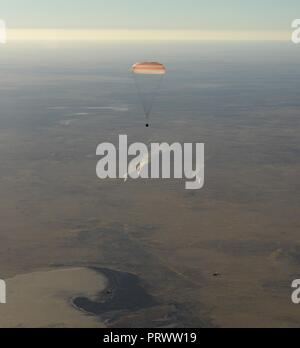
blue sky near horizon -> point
(154, 15)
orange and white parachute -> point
(150, 68)
(148, 77)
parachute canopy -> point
(151, 68)
(148, 77)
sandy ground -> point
(243, 225)
(43, 299)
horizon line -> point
(44, 34)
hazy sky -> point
(155, 14)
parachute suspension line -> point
(154, 96)
(147, 101)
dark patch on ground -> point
(123, 293)
(125, 301)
